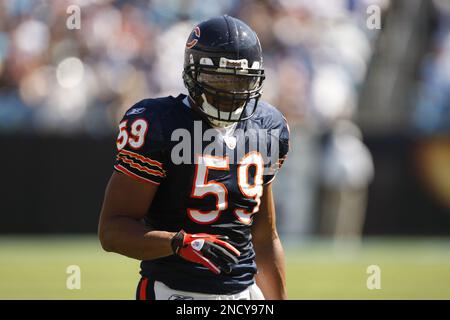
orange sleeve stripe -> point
(142, 158)
(127, 159)
(141, 168)
(118, 167)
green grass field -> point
(35, 268)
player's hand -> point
(211, 251)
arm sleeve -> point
(280, 137)
(140, 146)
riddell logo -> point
(234, 63)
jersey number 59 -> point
(135, 138)
(202, 187)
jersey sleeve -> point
(279, 136)
(140, 146)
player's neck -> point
(228, 130)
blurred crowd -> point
(57, 79)
(54, 78)
(61, 77)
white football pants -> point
(159, 291)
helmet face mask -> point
(218, 76)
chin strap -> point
(212, 111)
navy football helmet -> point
(223, 70)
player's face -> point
(228, 83)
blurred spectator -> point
(432, 109)
(347, 170)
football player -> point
(200, 214)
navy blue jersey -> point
(209, 181)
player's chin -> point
(229, 106)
